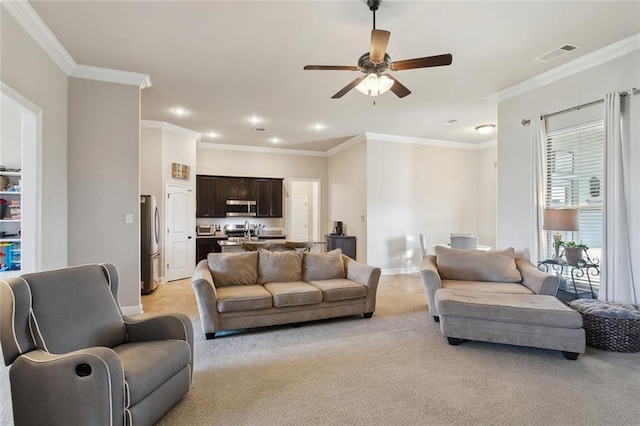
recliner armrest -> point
(82, 387)
(535, 280)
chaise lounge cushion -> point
(279, 266)
(234, 268)
(476, 265)
(293, 294)
(340, 289)
(323, 266)
(243, 298)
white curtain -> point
(621, 239)
(539, 184)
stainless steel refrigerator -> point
(149, 243)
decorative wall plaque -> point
(180, 171)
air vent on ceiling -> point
(262, 129)
(557, 53)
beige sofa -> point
(499, 272)
(262, 288)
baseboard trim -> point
(131, 310)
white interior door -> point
(299, 218)
(180, 223)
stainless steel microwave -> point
(241, 208)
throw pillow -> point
(323, 266)
(234, 268)
(477, 265)
(279, 266)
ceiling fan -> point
(375, 62)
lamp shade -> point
(560, 219)
(374, 85)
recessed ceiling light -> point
(213, 134)
(318, 126)
(254, 119)
(485, 129)
(275, 140)
(179, 111)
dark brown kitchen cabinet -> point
(240, 188)
(210, 196)
(269, 197)
(344, 242)
(204, 246)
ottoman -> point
(516, 319)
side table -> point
(583, 269)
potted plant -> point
(573, 251)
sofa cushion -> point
(477, 265)
(234, 268)
(340, 289)
(486, 287)
(294, 293)
(323, 266)
(279, 266)
(243, 298)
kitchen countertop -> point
(232, 243)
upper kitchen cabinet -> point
(269, 197)
(210, 196)
(240, 188)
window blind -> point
(575, 179)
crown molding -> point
(427, 142)
(112, 76)
(580, 64)
(347, 144)
(247, 148)
(31, 22)
(152, 124)
(28, 19)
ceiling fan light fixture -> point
(485, 129)
(374, 85)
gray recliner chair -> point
(76, 360)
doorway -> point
(179, 244)
(20, 150)
(304, 209)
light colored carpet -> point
(396, 369)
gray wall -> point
(515, 197)
(27, 69)
(104, 134)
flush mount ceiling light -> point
(374, 85)
(179, 111)
(254, 119)
(485, 129)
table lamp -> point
(559, 220)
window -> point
(575, 178)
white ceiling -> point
(226, 61)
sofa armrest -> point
(535, 280)
(367, 275)
(160, 327)
(84, 387)
(431, 281)
(206, 296)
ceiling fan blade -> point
(429, 61)
(379, 41)
(347, 88)
(398, 88)
(331, 67)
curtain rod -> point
(630, 92)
